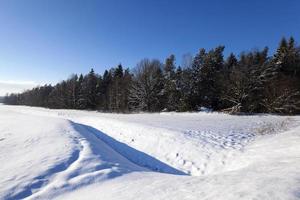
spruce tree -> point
(170, 93)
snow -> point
(67, 154)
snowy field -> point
(67, 154)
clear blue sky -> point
(47, 40)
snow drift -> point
(67, 154)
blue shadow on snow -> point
(137, 157)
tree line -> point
(252, 82)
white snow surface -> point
(68, 154)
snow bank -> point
(43, 155)
(69, 154)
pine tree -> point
(116, 100)
(170, 93)
(107, 81)
(91, 89)
(213, 63)
(183, 87)
(82, 99)
(282, 91)
(231, 62)
(196, 78)
(125, 85)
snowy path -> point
(87, 155)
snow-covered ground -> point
(67, 154)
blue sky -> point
(45, 41)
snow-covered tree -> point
(147, 86)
